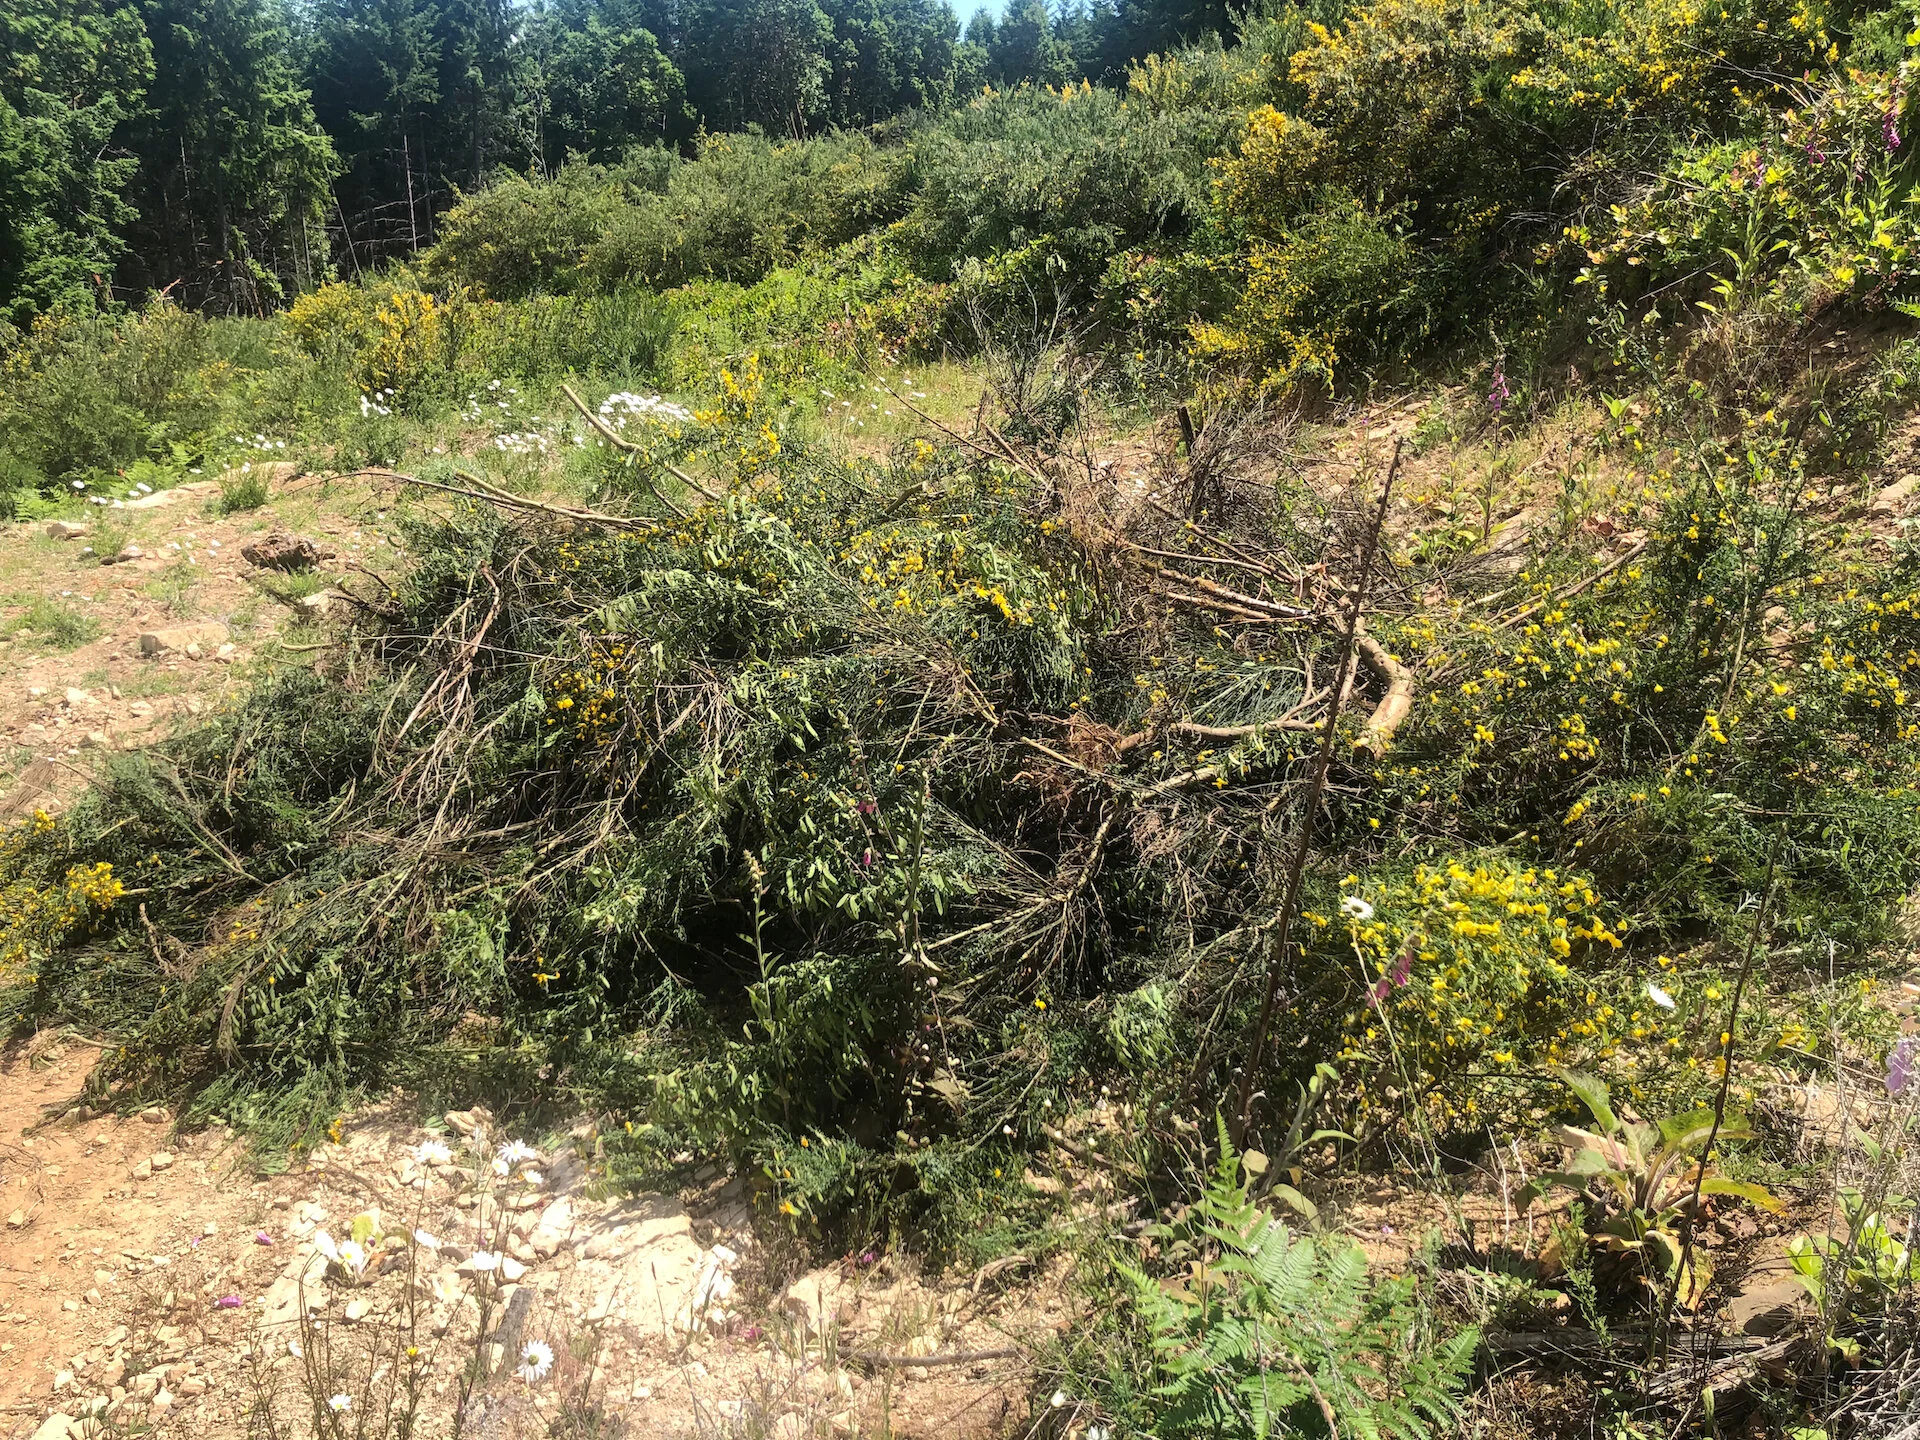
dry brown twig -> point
(1316, 787)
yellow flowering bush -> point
(1315, 299)
(38, 914)
(1804, 210)
(333, 318)
(410, 335)
(1472, 967)
(1680, 59)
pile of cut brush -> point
(865, 818)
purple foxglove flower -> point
(1900, 1064)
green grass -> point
(151, 680)
(176, 588)
(241, 492)
(58, 625)
(289, 586)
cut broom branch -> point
(621, 443)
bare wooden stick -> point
(1191, 559)
(493, 495)
(1223, 607)
(1726, 1078)
(951, 1357)
(1297, 866)
(1217, 540)
(1235, 597)
(1567, 592)
(1239, 732)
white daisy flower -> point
(433, 1152)
(536, 1359)
(1354, 908)
(340, 1404)
(518, 1152)
(1660, 997)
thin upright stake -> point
(1726, 1072)
(1296, 867)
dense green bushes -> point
(1320, 201)
(84, 396)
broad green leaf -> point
(1593, 1094)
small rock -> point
(470, 1124)
(163, 1401)
(511, 1270)
(817, 1301)
(143, 1170)
(55, 1427)
(554, 1228)
(187, 639)
(161, 1160)
(1885, 505)
(321, 602)
(1769, 1309)
(76, 696)
(63, 1381)
(97, 740)
(358, 1309)
(154, 1115)
(67, 529)
(194, 1385)
(125, 554)
(17, 1220)
(790, 1427)
(225, 654)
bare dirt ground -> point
(157, 1279)
(74, 681)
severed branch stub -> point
(1396, 704)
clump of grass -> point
(59, 625)
(176, 588)
(289, 586)
(241, 491)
